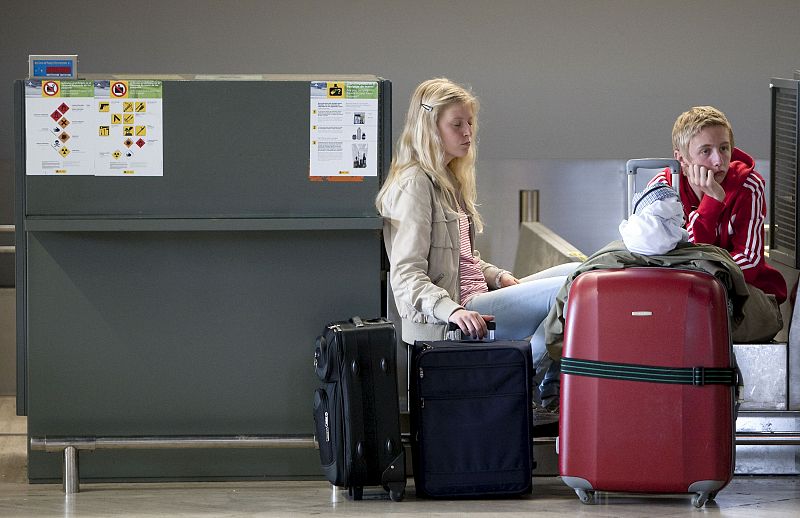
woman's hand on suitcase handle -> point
(471, 322)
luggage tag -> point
(454, 333)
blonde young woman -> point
(428, 203)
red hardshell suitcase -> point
(647, 386)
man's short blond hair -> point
(692, 121)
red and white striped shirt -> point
(469, 270)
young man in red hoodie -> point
(724, 205)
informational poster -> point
(344, 130)
(129, 128)
(100, 127)
(59, 127)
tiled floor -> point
(745, 497)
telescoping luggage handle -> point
(454, 333)
(633, 166)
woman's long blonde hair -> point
(420, 145)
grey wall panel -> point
(197, 333)
(186, 333)
(232, 148)
(189, 304)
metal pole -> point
(528, 205)
(767, 439)
(172, 442)
(335, 494)
(71, 479)
(71, 445)
(7, 249)
(631, 190)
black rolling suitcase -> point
(356, 409)
(471, 418)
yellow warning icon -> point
(141, 106)
(127, 131)
(127, 118)
(64, 151)
(116, 118)
(104, 131)
(103, 106)
(141, 131)
(116, 154)
(336, 90)
(127, 107)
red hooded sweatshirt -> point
(735, 224)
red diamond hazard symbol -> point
(140, 143)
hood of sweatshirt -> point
(739, 169)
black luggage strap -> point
(697, 376)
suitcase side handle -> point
(632, 168)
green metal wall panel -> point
(188, 304)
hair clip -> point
(426, 107)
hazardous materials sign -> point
(83, 127)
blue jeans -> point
(520, 310)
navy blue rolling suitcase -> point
(356, 408)
(471, 418)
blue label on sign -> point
(53, 68)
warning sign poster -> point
(129, 128)
(59, 127)
(343, 130)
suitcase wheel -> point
(397, 495)
(397, 490)
(700, 499)
(587, 497)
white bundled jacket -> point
(655, 229)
